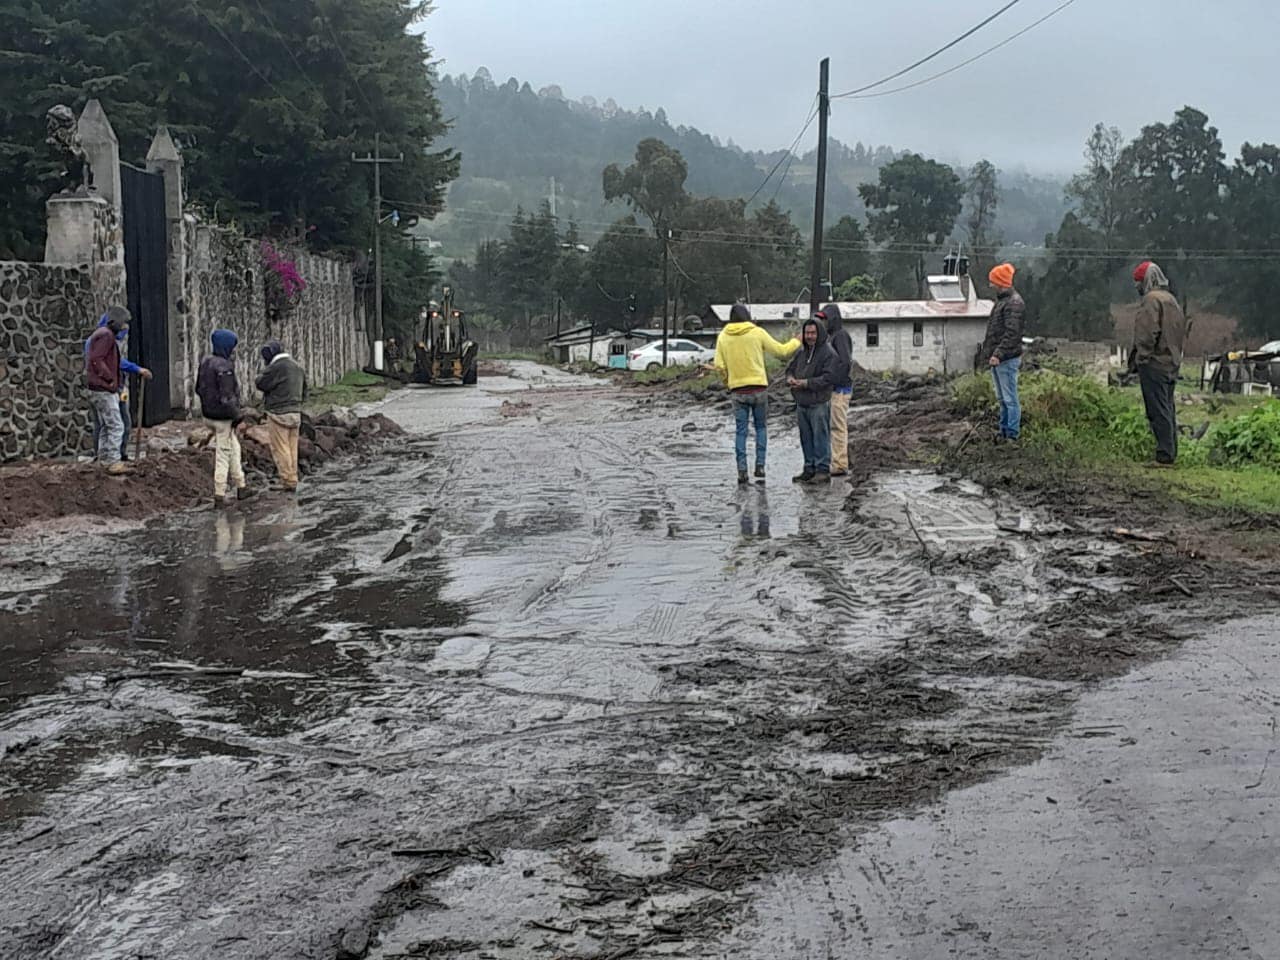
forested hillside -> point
(513, 140)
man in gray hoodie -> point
(810, 376)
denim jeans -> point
(815, 436)
(111, 435)
(1006, 378)
(126, 421)
(749, 407)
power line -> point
(289, 50)
(937, 53)
(974, 59)
(789, 152)
(252, 66)
(343, 55)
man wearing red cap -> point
(1159, 338)
(1003, 349)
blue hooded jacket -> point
(216, 383)
(126, 365)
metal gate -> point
(146, 262)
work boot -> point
(246, 493)
(820, 478)
(742, 478)
(805, 477)
(760, 472)
(839, 473)
(118, 469)
(219, 501)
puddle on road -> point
(609, 666)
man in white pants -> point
(219, 393)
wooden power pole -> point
(377, 159)
(820, 192)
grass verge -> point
(355, 387)
(1229, 463)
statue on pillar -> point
(64, 142)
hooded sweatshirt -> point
(1160, 328)
(817, 365)
(740, 351)
(283, 383)
(216, 383)
(842, 344)
(126, 365)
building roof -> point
(581, 334)
(870, 311)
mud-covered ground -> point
(541, 680)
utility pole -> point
(666, 253)
(553, 196)
(746, 279)
(820, 193)
(377, 159)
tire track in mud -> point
(652, 714)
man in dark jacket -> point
(103, 377)
(219, 393)
(283, 385)
(127, 367)
(1159, 338)
(810, 376)
(842, 389)
(1003, 349)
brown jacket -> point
(1159, 332)
(102, 361)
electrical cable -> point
(937, 53)
(252, 66)
(974, 59)
(769, 176)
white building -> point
(942, 333)
(583, 343)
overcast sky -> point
(747, 69)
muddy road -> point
(542, 681)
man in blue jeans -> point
(740, 350)
(811, 376)
(1002, 347)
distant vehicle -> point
(446, 353)
(680, 353)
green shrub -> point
(1051, 398)
(1060, 364)
(973, 395)
(1129, 435)
(1251, 438)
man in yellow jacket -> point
(740, 351)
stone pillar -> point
(103, 150)
(165, 159)
(74, 230)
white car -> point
(680, 353)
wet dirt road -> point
(551, 685)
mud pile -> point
(172, 478)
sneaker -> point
(806, 477)
(821, 478)
(742, 477)
(759, 473)
(246, 493)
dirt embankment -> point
(174, 473)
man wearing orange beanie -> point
(1003, 349)
(1159, 338)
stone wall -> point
(223, 286)
(46, 311)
